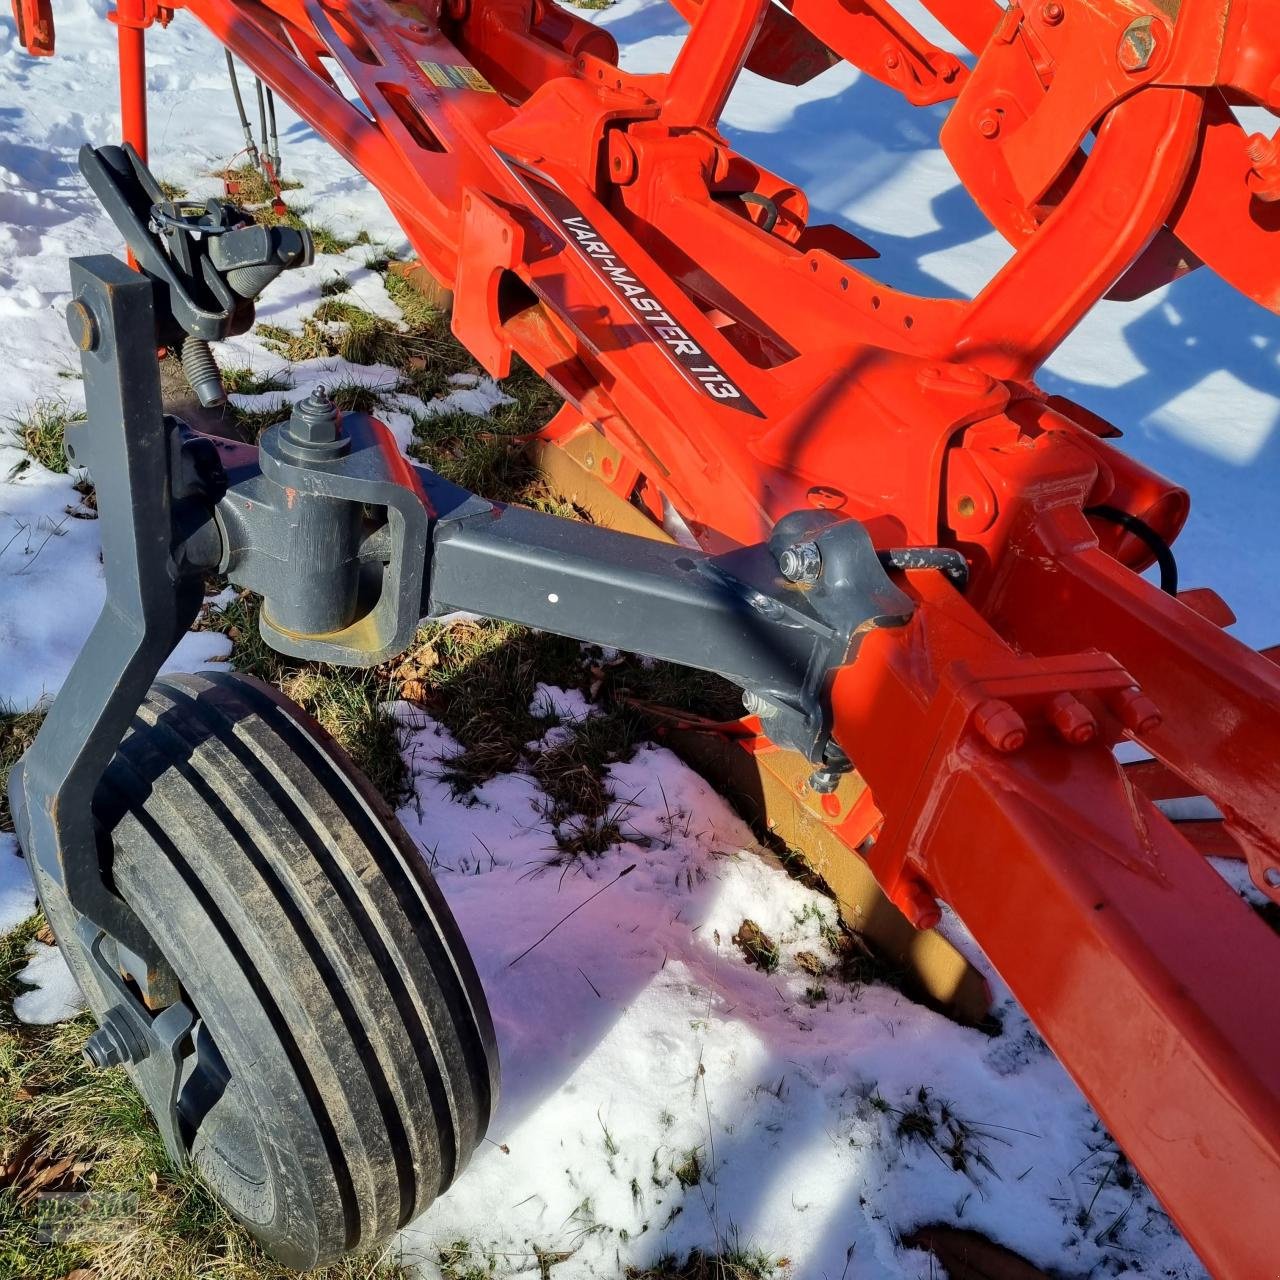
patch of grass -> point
(736, 1262)
(479, 680)
(13, 959)
(356, 397)
(339, 327)
(380, 260)
(689, 1171)
(347, 702)
(251, 423)
(366, 338)
(334, 286)
(473, 452)
(958, 1143)
(415, 306)
(461, 1260)
(18, 731)
(42, 431)
(68, 1128)
(593, 4)
(324, 237)
(249, 185)
(242, 381)
(172, 190)
(250, 189)
(759, 949)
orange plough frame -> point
(740, 367)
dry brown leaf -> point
(34, 1180)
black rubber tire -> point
(347, 1065)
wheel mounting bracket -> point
(158, 1068)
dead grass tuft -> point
(736, 1262)
(68, 1128)
(18, 731)
(42, 432)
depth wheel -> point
(342, 1067)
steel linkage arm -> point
(341, 586)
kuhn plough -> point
(923, 571)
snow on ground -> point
(660, 1093)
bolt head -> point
(1002, 727)
(114, 1043)
(801, 563)
(1137, 46)
(989, 124)
(82, 326)
(1053, 13)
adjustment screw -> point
(801, 562)
(114, 1043)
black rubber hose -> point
(274, 139)
(249, 145)
(1147, 535)
(769, 206)
(262, 116)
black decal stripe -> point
(700, 370)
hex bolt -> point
(1002, 727)
(1072, 719)
(801, 562)
(754, 705)
(1053, 13)
(315, 419)
(1137, 46)
(312, 429)
(989, 124)
(1136, 711)
(114, 1043)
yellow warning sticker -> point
(453, 76)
